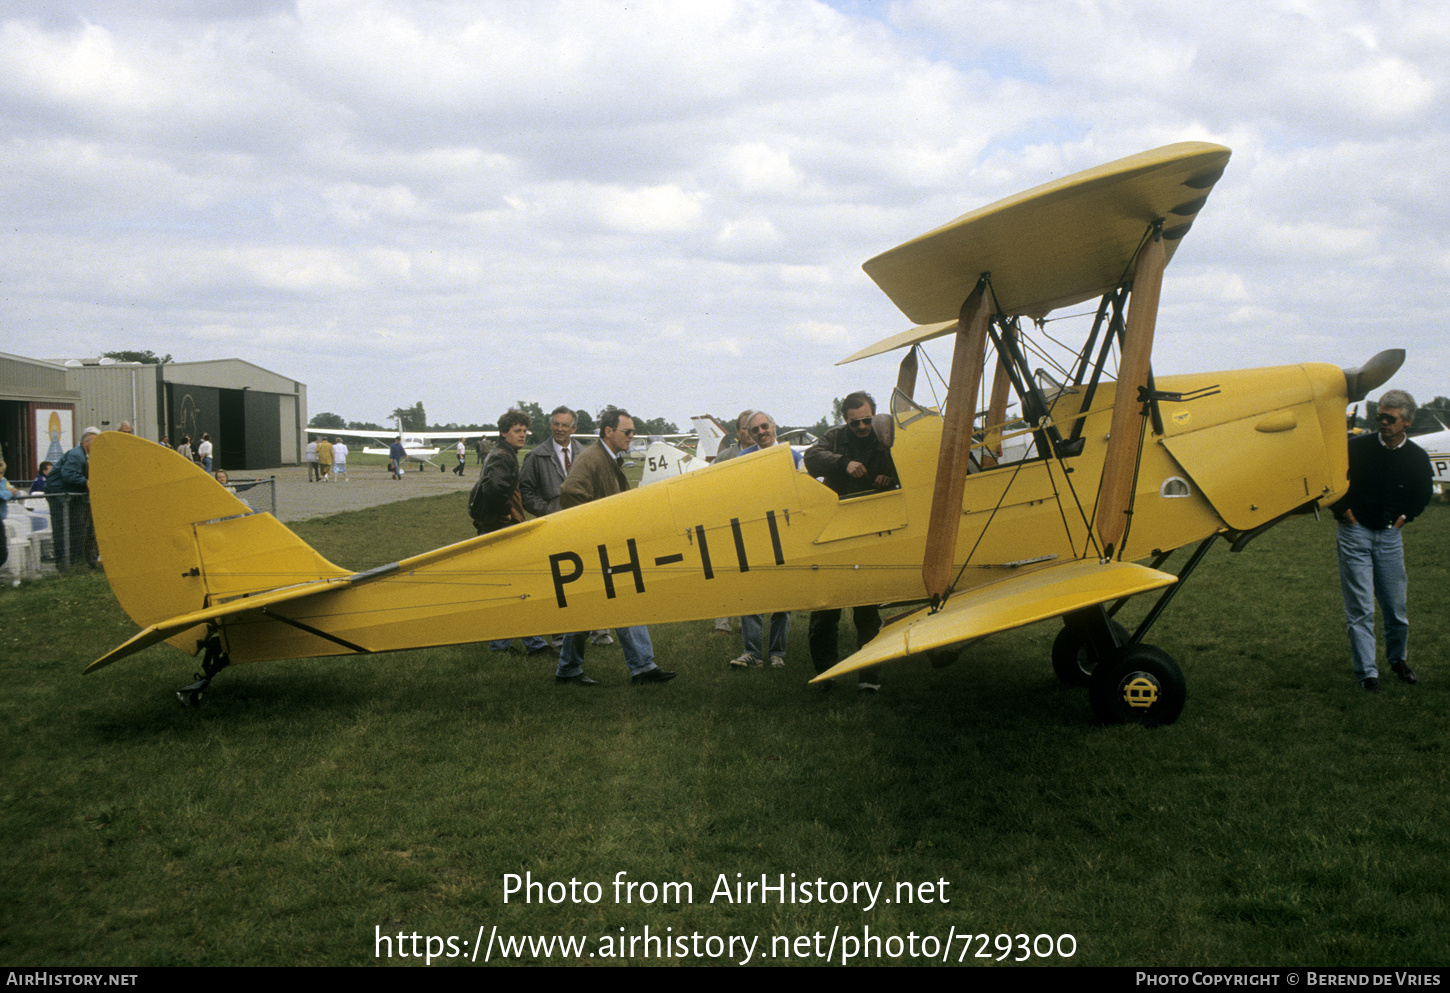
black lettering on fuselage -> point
(609, 570)
(559, 578)
(739, 544)
(631, 566)
(704, 552)
(775, 538)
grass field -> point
(1287, 818)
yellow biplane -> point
(1117, 471)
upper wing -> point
(446, 435)
(1066, 241)
(1012, 602)
(380, 437)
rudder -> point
(174, 541)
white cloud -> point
(648, 210)
(748, 235)
(322, 184)
(758, 168)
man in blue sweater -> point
(1389, 486)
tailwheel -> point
(1074, 656)
(214, 661)
(1139, 684)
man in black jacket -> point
(1389, 486)
(851, 459)
(494, 503)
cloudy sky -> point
(665, 205)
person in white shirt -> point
(339, 460)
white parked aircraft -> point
(420, 447)
(1437, 445)
(663, 460)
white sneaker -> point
(777, 661)
(746, 661)
(601, 638)
(866, 687)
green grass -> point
(1287, 818)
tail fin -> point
(709, 433)
(662, 461)
(175, 542)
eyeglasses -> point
(760, 429)
(1389, 418)
(628, 432)
(859, 422)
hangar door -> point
(245, 425)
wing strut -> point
(1125, 436)
(968, 357)
(997, 405)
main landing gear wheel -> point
(1138, 685)
(1074, 658)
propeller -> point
(1373, 374)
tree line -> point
(414, 419)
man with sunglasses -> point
(1389, 486)
(597, 474)
(850, 459)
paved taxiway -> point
(366, 486)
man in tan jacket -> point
(597, 474)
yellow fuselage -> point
(748, 536)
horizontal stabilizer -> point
(1013, 602)
(157, 633)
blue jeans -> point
(1372, 565)
(752, 626)
(533, 643)
(639, 654)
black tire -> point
(1074, 660)
(1138, 685)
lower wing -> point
(1007, 603)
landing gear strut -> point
(212, 663)
(1127, 681)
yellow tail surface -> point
(174, 541)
